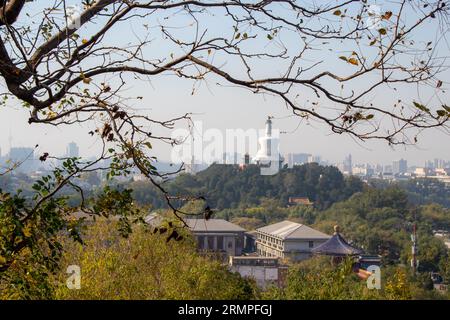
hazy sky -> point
(227, 108)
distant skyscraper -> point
(348, 164)
(387, 169)
(317, 159)
(400, 166)
(439, 163)
(72, 150)
(236, 158)
(297, 158)
(379, 168)
(247, 159)
(429, 164)
(370, 170)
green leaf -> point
(269, 37)
(421, 107)
(149, 145)
(382, 31)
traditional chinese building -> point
(336, 246)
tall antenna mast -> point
(190, 168)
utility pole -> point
(414, 261)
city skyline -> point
(223, 107)
(72, 149)
(305, 139)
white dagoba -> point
(268, 151)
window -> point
(210, 242)
(220, 242)
(200, 242)
(311, 244)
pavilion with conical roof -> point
(336, 246)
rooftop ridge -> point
(287, 230)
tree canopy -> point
(229, 186)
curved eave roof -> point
(336, 246)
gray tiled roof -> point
(336, 246)
(291, 230)
(212, 225)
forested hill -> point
(229, 186)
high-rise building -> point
(429, 164)
(236, 158)
(387, 169)
(348, 164)
(72, 150)
(317, 159)
(378, 168)
(400, 166)
(247, 159)
(439, 164)
(294, 159)
(370, 170)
